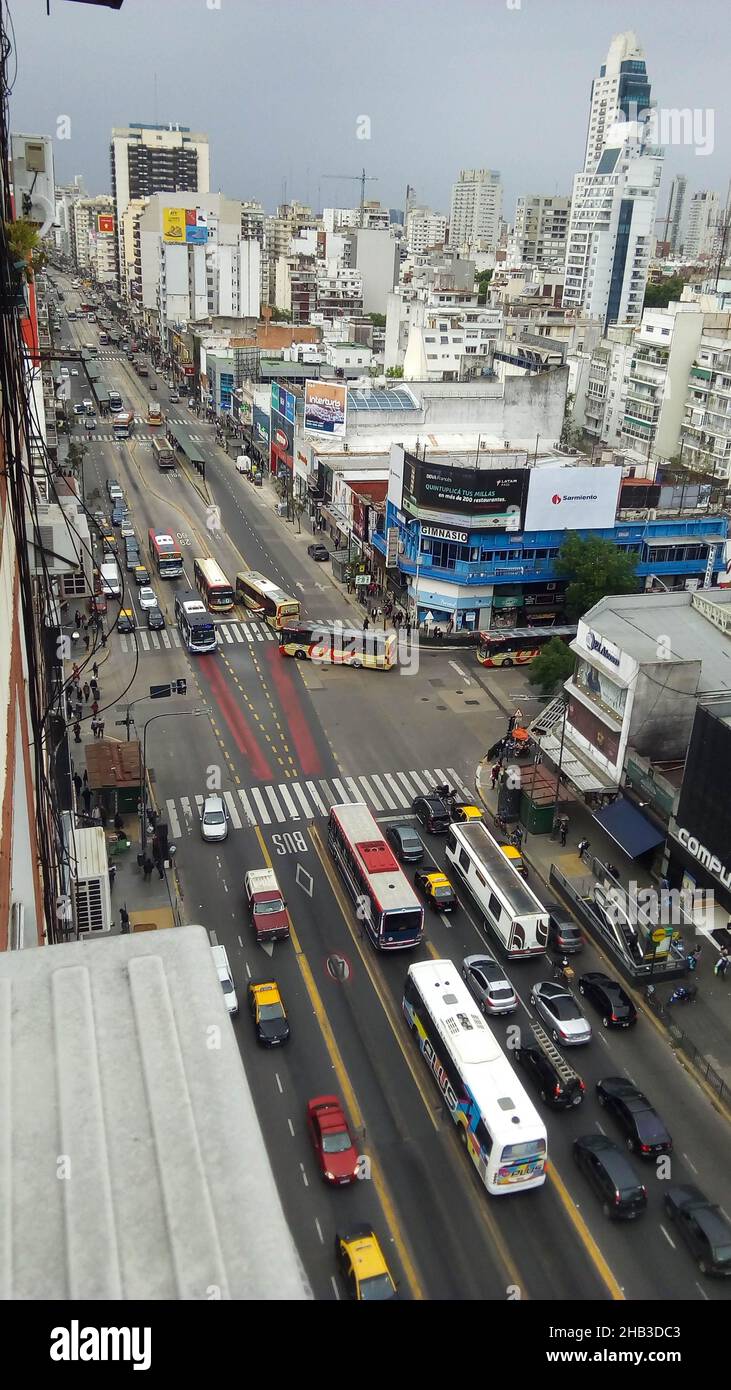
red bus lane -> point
(290, 700)
(245, 738)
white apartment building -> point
(618, 94)
(450, 337)
(656, 385)
(424, 230)
(706, 429)
(91, 242)
(148, 159)
(701, 236)
(675, 216)
(602, 390)
(218, 274)
(476, 209)
(130, 265)
(540, 231)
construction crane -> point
(362, 178)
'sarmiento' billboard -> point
(581, 499)
(493, 498)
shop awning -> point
(629, 829)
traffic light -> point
(180, 687)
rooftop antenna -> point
(362, 178)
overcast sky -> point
(281, 87)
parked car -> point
(332, 1141)
(437, 889)
(610, 1173)
(317, 551)
(564, 936)
(557, 1083)
(558, 1008)
(155, 619)
(644, 1131)
(362, 1265)
(268, 1012)
(489, 985)
(607, 995)
(214, 818)
(405, 843)
(703, 1226)
(433, 814)
(148, 598)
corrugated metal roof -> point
(131, 1163)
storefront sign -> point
(392, 544)
(361, 579)
(445, 533)
(710, 861)
(594, 643)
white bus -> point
(386, 903)
(510, 908)
(266, 600)
(502, 1130)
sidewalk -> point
(706, 1022)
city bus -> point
(122, 424)
(164, 554)
(162, 453)
(195, 624)
(387, 905)
(501, 1128)
(266, 600)
(212, 583)
(511, 910)
(518, 646)
(154, 414)
(338, 645)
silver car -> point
(558, 1008)
(488, 984)
(214, 819)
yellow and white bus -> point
(266, 600)
(154, 414)
(213, 585)
(338, 645)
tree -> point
(482, 281)
(553, 665)
(394, 371)
(281, 315)
(378, 320)
(570, 432)
(659, 294)
(594, 568)
(22, 241)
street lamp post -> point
(417, 577)
(169, 714)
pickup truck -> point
(266, 906)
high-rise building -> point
(476, 212)
(540, 231)
(674, 217)
(148, 159)
(702, 231)
(620, 93)
(424, 229)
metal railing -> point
(680, 1040)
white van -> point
(220, 960)
(111, 582)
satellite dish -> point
(40, 210)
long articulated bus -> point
(518, 646)
(502, 1130)
(164, 554)
(338, 645)
(196, 628)
(162, 453)
(511, 910)
(211, 582)
(154, 414)
(387, 905)
(266, 600)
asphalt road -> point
(277, 725)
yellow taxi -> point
(126, 620)
(466, 813)
(437, 889)
(268, 1012)
(516, 859)
(109, 541)
(362, 1265)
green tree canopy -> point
(482, 281)
(658, 296)
(552, 666)
(378, 320)
(394, 371)
(594, 568)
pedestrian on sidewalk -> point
(77, 620)
(87, 641)
(77, 732)
(95, 671)
(96, 815)
(93, 727)
(95, 708)
(86, 778)
(563, 830)
(157, 860)
(118, 822)
(495, 771)
(112, 875)
(582, 848)
(75, 675)
(94, 688)
(722, 963)
(87, 691)
(86, 798)
(365, 624)
(147, 868)
(124, 920)
(78, 784)
(100, 728)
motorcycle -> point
(683, 994)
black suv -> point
(563, 934)
(612, 1176)
(703, 1227)
(644, 1131)
(433, 814)
(555, 1080)
(615, 1007)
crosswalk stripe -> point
(243, 798)
(421, 787)
(222, 628)
(343, 797)
(328, 795)
(176, 639)
(286, 798)
(219, 638)
(261, 806)
(258, 635)
(312, 789)
(431, 779)
(165, 639)
(232, 810)
(384, 793)
(304, 803)
(370, 794)
(155, 640)
(279, 813)
(352, 786)
(236, 630)
(173, 818)
(248, 634)
(145, 641)
(458, 782)
(409, 789)
(123, 642)
(187, 812)
(395, 788)
(199, 804)
(440, 775)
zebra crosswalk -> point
(307, 799)
(227, 634)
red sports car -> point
(336, 1152)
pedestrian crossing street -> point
(226, 634)
(291, 802)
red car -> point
(336, 1152)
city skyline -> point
(277, 133)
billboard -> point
(281, 433)
(325, 407)
(105, 224)
(579, 499)
(283, 401)
(184, 226)
(260, 427)
(489, 497)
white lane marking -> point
(236, 630)
(165, 639)
(395, 788)
(145, 641)
(232, 810)
(318, 1228)
(441, 775)
(370, 793)
(667, 1237)
(243, 798)
(187, 812)
(123, 642)
(409, 789)
(336, 1291)
(257, 635)
(199, 804)
(291, 1127)
(173, 818)
(701, 1290)
(279, 813)
(352, 786)
(176, 638)
(690, 1163)
(261, 806)
(343, 798)
(421, 787)
(278, 1081)
(431, 779)
(316, 797)
(457, 782)
(382, 791)
(248, 634)
(223, 628)
(304, 803)
(304, 1175)
(155, 640)
(286, 798)
(330, 798)
(463, 674)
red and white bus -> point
(211, 582)
(164, 554)
(385, 901)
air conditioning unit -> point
(652, 514)
(90, 881)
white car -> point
(147, 597)
(214, 819)
(223, 970)
(74, 371)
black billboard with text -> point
(491, 498)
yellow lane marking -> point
(584, 1234)
(387, 1204)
